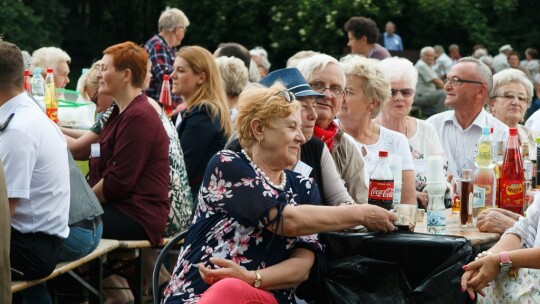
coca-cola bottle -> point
(381, 183)
(512, 176)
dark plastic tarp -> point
(393, 268)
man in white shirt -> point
(500, 62)
(443, 63)
(34, 153)
(469, 83)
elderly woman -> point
(326, 76)
(252, 234)
(517, 248)
(509, 99)
(422, 136)
(206, 122)
(260, 56)
(234, 76)
(367, 90)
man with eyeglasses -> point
(468, 86)
(34, 153)
(429, 89)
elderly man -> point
(390, 40)
(260, 57)
(34, 153)
(443, 63)
(162, 48)
(500, 62)
(55, 58)
(363, 35)
(453, 53)
(467, 89)
(429, 93)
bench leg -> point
(138, 288)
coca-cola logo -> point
(382, 193)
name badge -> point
(302, 168)
(95, 150)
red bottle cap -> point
(491, 131)
(49, 70)
(166, 77)
(26, 73)
(383, 153)
(513, 131)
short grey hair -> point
(49, 57)
(400, 69)
(234, 74)
(375, 84)
(425, 49)
(453, 47)
(27, 58)
(293, 61)
(508, 76)
(439, 49)
(254, 74)
(263, 54)
(171, 18)
(317, 63)
(481, 70)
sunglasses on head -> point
(288, 95)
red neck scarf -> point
(328, 135)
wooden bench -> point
(95, 259)
(127, 248)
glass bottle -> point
(165, 97)
(484, 178)
(466, 198)
(51, 101)
(512, 176)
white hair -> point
(234, 74)
(49, 57)
(318, 62)
(400, 69)
(171, 18)
(262, 54)
(512, 76)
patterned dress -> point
(231, 222)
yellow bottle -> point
(51, 100)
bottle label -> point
(397, 193)
(381, 190)
(479, 197)
(511, 193)
(436, 218)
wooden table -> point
(453, 227)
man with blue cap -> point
(315, 159)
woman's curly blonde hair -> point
(264, 104)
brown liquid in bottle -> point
(466, 189)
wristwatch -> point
(258, 280)
(506, 264)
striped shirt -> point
(460, 145)
(527, 227)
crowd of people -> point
(254, 163)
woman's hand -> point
(378, 219)
(227, 269)
(479, 274)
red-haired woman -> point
(129, 166)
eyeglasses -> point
(5, 124)
(288, 95)
(320, 87)
(404, 92)
(456, 81)
(509, 96)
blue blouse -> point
(231, 220)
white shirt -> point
(533, 122)
(443, 64)
(34, 153)
(460, 145)
(393, 142)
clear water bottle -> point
(395, 167)
(436, 188)
(37, 86)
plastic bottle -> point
(436, 188)
(465, 211)
(512, 179)
(395, 167)
(27, 85)
(165, 97)
(484, 180)
(80, 81)
(381, 183)
(37, 85)
(51, 101)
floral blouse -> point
(230, 222)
